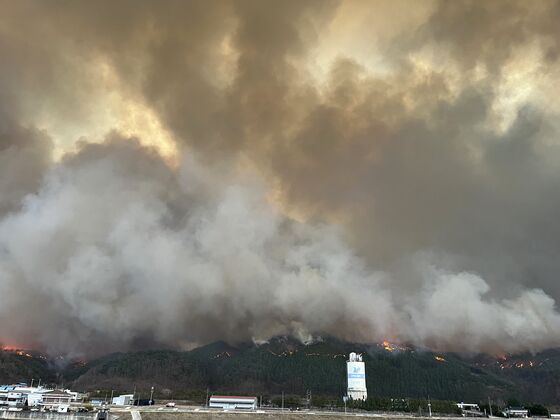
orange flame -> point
(391, 347)
(15, 349)
(388, 346)
(8, 347)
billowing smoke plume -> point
(117, 247)
(172, 175)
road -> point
(193, 412)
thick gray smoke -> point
(117, 247)
(394, 182)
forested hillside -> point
(286, 365)
(20, 366)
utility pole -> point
(490, 406)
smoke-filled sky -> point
(178, 172)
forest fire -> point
(392, 347)
(285, 353)
(8, 347)
(387, 346)
(505, 361)
(15, 349)
(508, 362)
(520, 364)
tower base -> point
(357, 395)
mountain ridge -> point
(286, 365)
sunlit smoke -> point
(178, 174)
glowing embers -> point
(393, 347)
(15, 349)
(507, 361)
(8, 347)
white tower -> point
(356, 370)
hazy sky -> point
(177, 172)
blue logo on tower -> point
(356, 372)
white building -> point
(35, 399)
(34, 394)
(12, 400)
(233, 402)
(56, 397)
(21, 395)
(469, 409)
(516, 412)
(3, 397)
(356, 374)
(467, 406)
(127, 399)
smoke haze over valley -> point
(182, 172)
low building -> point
(126, 399)
(11, 399)
(35, 399)
(4, 396)
(469, 409)
(36, 396)
(143, 402)
(518, 412)
(233, 402)
(56, 397)
(467, 406)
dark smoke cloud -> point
(24, 157)
(405, 203)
